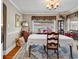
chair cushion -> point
(53, 36)
(52, 46)
(52, 41)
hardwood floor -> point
(51, 58)
(11, 54)
(14, 51)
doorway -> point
(4, 27)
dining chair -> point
(53, 43)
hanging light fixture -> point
(52, 4)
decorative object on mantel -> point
(17, 20)
(24, 23)
(52, 4)
(61, 16)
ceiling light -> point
(52, 4)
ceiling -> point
(39, 6)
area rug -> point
(38, 52)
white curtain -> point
(72, 23)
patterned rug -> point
(38, 52)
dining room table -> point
(41, 39)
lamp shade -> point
(24, 23)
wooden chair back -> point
(52, 40)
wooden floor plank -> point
(11, 53)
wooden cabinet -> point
(61, 26)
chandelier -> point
(52, 4)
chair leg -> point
(57, 54)
(45, 49)
(47, 53)
(29, 50)
(54, 51)
(77, 47)
(71, 52)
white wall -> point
(12, 31)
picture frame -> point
(17, 20)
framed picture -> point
(17, 20)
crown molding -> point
(74, 9)
(47, 13)
(40, 13)
(70, 11)
(15, 6)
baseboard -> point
(8, 50)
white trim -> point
(15, 6)
(1, 24)
(8, 50)
(71, 11)
(74, 9)
(1, 51)
(39, 13)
